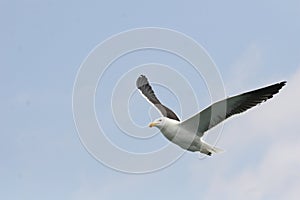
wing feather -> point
(147, 91)
(221, 110)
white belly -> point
(182, 138)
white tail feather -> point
(208, 149)
(217, 150)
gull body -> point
(175, 132)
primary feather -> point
(146, 89)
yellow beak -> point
(152, 124)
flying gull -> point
(188, 133)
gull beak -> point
(152, 124)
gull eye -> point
(159, 120)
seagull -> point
(188, 134)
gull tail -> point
(209, 150)
(217, 150)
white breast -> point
(178, 135)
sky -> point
(43, 44)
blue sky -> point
(42, 46)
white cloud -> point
(276, 175)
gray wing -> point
(146, 89)
(223, 109)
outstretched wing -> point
(223, 109)
(146, 89)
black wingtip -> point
(283, 83)
(142, 80)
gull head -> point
(158, 122)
